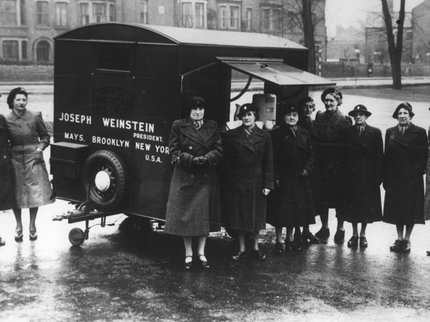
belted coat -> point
(405, 160)
(330, 153)
(193, 207)
(363, 175)
(7, 195)
(291, 204)
(27, 133)
(247, 168)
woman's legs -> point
(278, 231)
(33, 214)
(201, 245)
(363, 229)
(355, 229)
(188, 241)
(408, 232)
(18, 230)
(399, 232)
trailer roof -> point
(176, 35)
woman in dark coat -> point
(193, 201)
(294, 160)
(6, 184)
(330, 153)
(363, 176)
(248, 179)
(307, 108)
(28, 137)
(404, 165)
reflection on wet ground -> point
(120, 274)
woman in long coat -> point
(363, 176)
(404, 165)
(248, 179)
(7, 196)
(193, 201)
(294, 161)
(330, 153)
(28, 137)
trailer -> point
(118, 88)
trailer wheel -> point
(106, 178)
(76, 237)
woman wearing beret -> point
(7, 196)
(248, 179)
(294, 161)
(193, 201)
(330, 153)
(28, 137)
(404, 165)
(363, 176)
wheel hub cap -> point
(102, 181)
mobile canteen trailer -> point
(117, 90)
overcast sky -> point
(351, 12)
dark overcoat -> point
(427, 193)
(404, 165)
(291, 204)
(193, 201)
(28, 133)
(330, 153)
(247, 168)
(363, 176)
(7, 195)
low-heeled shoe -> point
(363, 242)
(339, 237)
(353, 242)
(396, 246)
(323, 234)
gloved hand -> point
(202, 160)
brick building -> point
(421, 32)
(27, 27)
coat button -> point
(190, 147)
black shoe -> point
(204, 262)
(353, 242)
(33, 236)
(396, 246)
(258, 255)
(339, 237)
(239, 256)
(323, 234)
(296, 244)
(363, 242)
(2, 242)
(405, 246)
(188, 264)
(18, 238)
(278, 249)
(308, 237)
(428, 253)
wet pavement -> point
(121, 273)
(128, 275)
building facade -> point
(28, 27)
(421, 32)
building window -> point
(61, 19)
(10, 50)
(24, 50)
(8, 13)
(99, 12)
(271, 20)
(229, 16)
(43, 49)
(42, 13)
(112, 12)
(265, 19)
(84, 13)
(193, 13)
(248, 23)
(144, 13)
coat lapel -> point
(298, 140)
(201, 136)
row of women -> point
(24, 178)
(299, 170)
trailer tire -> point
(76, 237)
(105, 176)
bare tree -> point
(299, 15)
(395, 46)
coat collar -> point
(410, 134)
(201, 136)
(239, 136)
(298, 140)
(27, 115)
